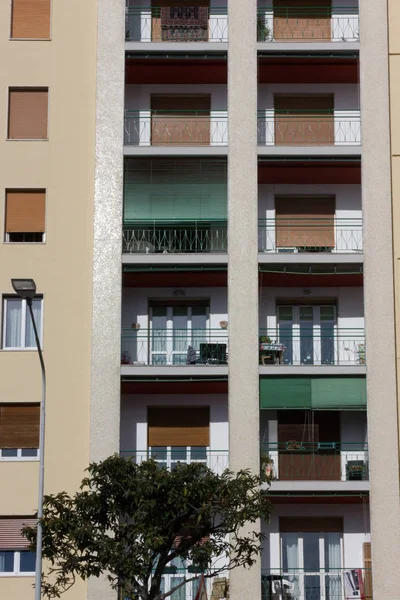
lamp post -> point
(26, 289)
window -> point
(25, 216)
(19, 431)
(17, 325)
(181, 426)
(28, 113)
(174, 328)
(304, 119)
(309, 334)
(312, 556)
(15, 559)
(30, 19)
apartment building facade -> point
(194, 186)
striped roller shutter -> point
(11, 537)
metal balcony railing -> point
(170, 457)
(320, 584)
(182, 24)
(291, 345)
(297, 460)
(177, 347)
(322, 235)
(216, 587)
(176, 128)
(343, 128)
(308, 24)
(183, 237)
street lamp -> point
(26, 289)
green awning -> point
(318, 393)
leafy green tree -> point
(130, 521)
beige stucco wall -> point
(62, 267)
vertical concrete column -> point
(379, 302)
(106, 319)
(242, 262)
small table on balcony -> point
(271, 353)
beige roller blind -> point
(25, 211)
(305, 221)
(28, 111)
(19, 425)
(30, 19)
(180, 120)
(179, 426)
(11, 537)
(302, 20)
(304, 119)
(310, 524)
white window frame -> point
(185, 461)
(7, 239)
(25, 313)
(19, 457)
(169, 351)
(301, 574)
(17, 565)
(316, 331)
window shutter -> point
(28, 108)
(310, 524)
(306, 222)
(368, 570)
(300, 20)
(304, 119)
(30, 19)
(19, 425)
(179, 426)
(11, 537)
(173, 124)
(25, 211)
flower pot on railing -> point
(355, 470)
(263, 30)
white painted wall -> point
(356, 531)
(137, 98)
(348, 232)
(135, 303)
(350, 309)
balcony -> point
(316, 584)
(176, 128)
(175, 347)
(175, 236)
(330, 346)
(170, 456)
(317, 461)
(310, 235)
(341, 128)
(307, 24)
(180, 23)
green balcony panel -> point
(341, 393)
(285, 392)
(168, 189)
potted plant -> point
(267, 467)
(263, 30)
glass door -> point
(175, 329)
(311, 564)
(308, 334)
